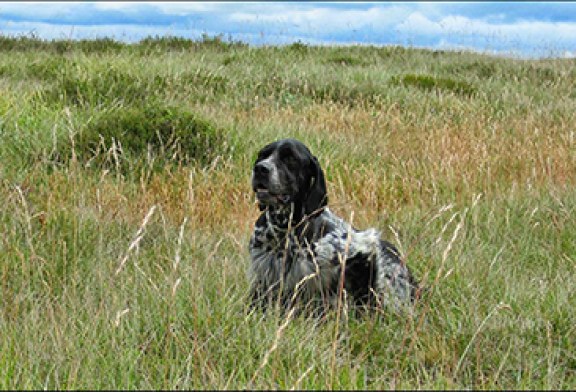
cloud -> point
(505, 12)
(521, 35)
(326, 18)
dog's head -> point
(285, 173)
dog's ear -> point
(317, 197)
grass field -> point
(125, 213)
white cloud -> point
(455, 29)
(326, 19)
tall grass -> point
(127, 270)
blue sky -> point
(527, 29)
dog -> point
(305, 256)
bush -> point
(429, 83)
(152, 136)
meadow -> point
(126, 209)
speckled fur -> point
(300, 252)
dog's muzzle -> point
(262, 187)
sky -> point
(519, 29)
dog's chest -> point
(278, 257)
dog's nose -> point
(261, 169)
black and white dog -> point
(303, 254)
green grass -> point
(133, 276)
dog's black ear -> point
(317, 197)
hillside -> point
(125, 209)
